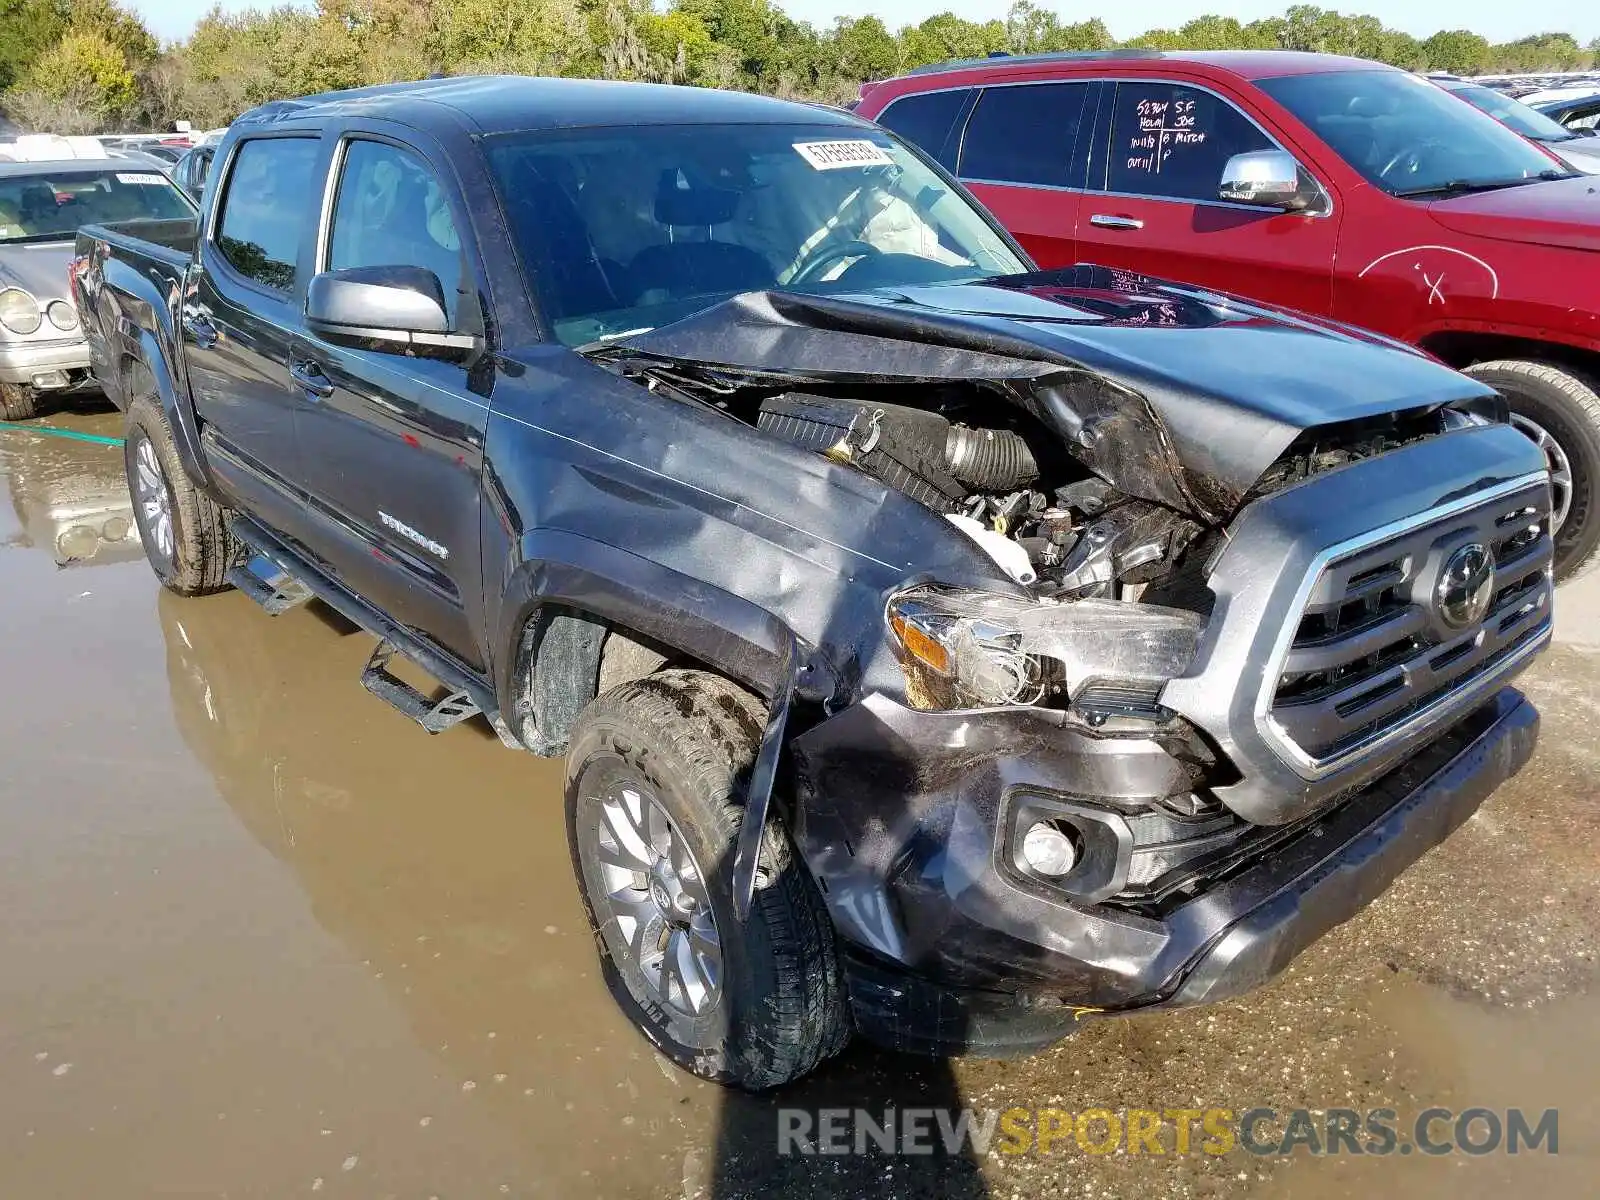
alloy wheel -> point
(653, 899)
(152, 497)
(1560, 469)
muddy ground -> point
(259, 936)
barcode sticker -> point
(147, 180)
(830, 156)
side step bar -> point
(279, 579)
(269, 585)
(433, 715)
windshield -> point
(624, 229)
(50, 206)
(1409, 137)
(1529, 122)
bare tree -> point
(34, 110)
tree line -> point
(84, 66)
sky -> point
(1498, 21)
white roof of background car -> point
(52, 147)
(1560, 93)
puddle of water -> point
(316, 918)
(69, 498)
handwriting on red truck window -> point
(1165, 128)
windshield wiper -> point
(1462, 187)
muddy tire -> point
(1561, 412)
(184, 531)
(17, 402)
(654, 796)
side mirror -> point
(1266, 179)
(399, 310)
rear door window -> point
(266, 208)
(1025, 134)
(926, 121)
(1172, 141)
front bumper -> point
(52, 363)
(947, 954)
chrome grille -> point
(1371, 651)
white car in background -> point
(1579, 151)
(42, 204)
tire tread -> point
(204, 546)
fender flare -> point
(1421, 335)
(147, 352)
(731, 634)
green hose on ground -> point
(54, 431)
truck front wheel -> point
(184, 531)
(1561, 412)
(655, 777)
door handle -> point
(198, 326)
(1108, 221)
(310, 377)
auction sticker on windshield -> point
(137, 177)
(830, 156)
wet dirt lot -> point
(260, 936)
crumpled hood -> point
(1171, 393)
(37, 267)
(1554, 212)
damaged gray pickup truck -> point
(940, 649)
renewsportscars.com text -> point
(1174, 1131)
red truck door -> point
(1152, 202)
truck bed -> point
(171, 243)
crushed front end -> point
(1110, 839)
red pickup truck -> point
(1337, 186)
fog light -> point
(50, 379)
(1047, 849)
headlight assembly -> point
(963, 649)
(969, 649)
(62, 315)
(19, 311)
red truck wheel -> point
(1561, 412)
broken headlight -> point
(970, 649)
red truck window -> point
(1172, 141)
(926, 121)
(1025, 134)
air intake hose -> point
(995, 460)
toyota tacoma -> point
(941, 649)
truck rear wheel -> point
(184, 531)
(655, 778)
(1560, 412)
(18, 402)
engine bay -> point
(1042, 517)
